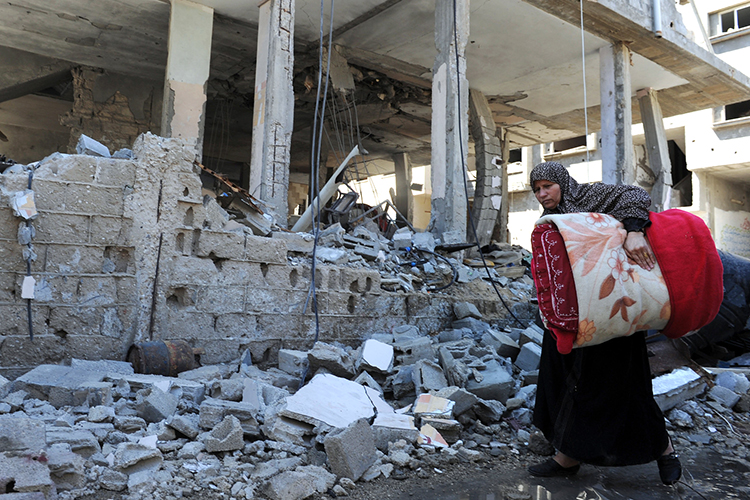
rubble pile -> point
(401, 404)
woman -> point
(595, 405)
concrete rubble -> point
(252, 433)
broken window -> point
(734, 19)
(737, 110)
(567, 144)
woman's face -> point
(547, 193)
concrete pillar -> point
(273, 111)
(491, 172)
(404, 198)
(450, 129)
(618, 164)
(657, 148)
(186, 76)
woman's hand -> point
(637, 249)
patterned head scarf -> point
(619, 201)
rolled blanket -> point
(590, 292)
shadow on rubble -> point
(707, 475)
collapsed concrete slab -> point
(333, 401)
(676, 387)
(65, 386)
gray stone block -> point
(402, 382)
(293, 362)
(88, 146)
(213, 411)
(489, 411)
(131, 458)
(723, 396)
(26, 476)
(62, 385)
(402, 240)
(19, 433)
(99, 414)
(103, 366)
(466, 310)
(187, 425)
(463, 399)
(414, 350)
(532, 334)
(478, 327)
(182, 388)
(332, 358)
(296, 242)
(503, 344)
(736, 382)
(424, 240)
(528, 358)
(351, 451)
(496, 383)
(82, 442)
(65, 467)
(230, 390)
(155, 405)
(428, 376)
(113, 480)
(300, 483)
(5, 386)
(676, 387)
(227, 436)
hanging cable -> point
(585, 100)
(315, 166)
(464, 168)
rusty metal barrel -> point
(162, 357)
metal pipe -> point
(656, 18)
(325, 194)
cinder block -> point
(222, 245)
(278, 301)
(240, 273)
(62, 228)
(109, 230)
(358, 280)
(64, 320)
(265, 250)
(351, 451)
(73, 259)
(192, 270)
(154, 405)
(293, 362)
(67, 168)
(220, 300)
(8, 224)
(25, 475)
(80, 441)
(675, 387)
(92, 199)
(126, 288)
(19, 433)
(296, 242)
(214, 411)
(115, 173)
(496, 383)
(529, 356)
(66, 468)
(49, 195)
(241, 325)
(189, 325)
(227, 436)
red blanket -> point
(686, 254)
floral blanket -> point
(615, 296)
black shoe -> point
(550, 468)
(670, 469)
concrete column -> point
(274, 107)
(188, 64)
(449, 122)
(491, 172)
(657, 148)
(404, 198)
(618, 164)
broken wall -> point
(131, 250)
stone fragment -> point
(270, 468)
(529, 356)
(335, 256)
(65, 467)
(366, 379)
(213, 411)
(332, 358)
(532, 334)
(450, 336)
(478, 327)
(227, 436)
(676, 387)
(405, 332)
(736, 382)
(19, 433)
(230, 390)
(190, 450)
(101, 414)
(448, 428)
(402, 239)
(24, 474)
(186, 424)
(489, 411)
(154, 405)
(88, 146)
(428, 376)
(463, 399)
(183, 388)
(300, 483)
(496, 383)
(205, 373)
(376, 356)
(113, 480)
(293, 362)
(724, 396)
(65, 386)
(391, 427)
(5, 386)
(81, 441)
(402, 383)
(296, 242)
(424, 241)
(132, 457)
(502, 343)
(351, 451)
(414, 349)
(466, 310)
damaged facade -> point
(171, 146)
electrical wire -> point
(464, 168)
(315, 165)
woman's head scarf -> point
(619, 201)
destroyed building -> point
(159, 163)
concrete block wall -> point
(130, 251)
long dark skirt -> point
(596, 404)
